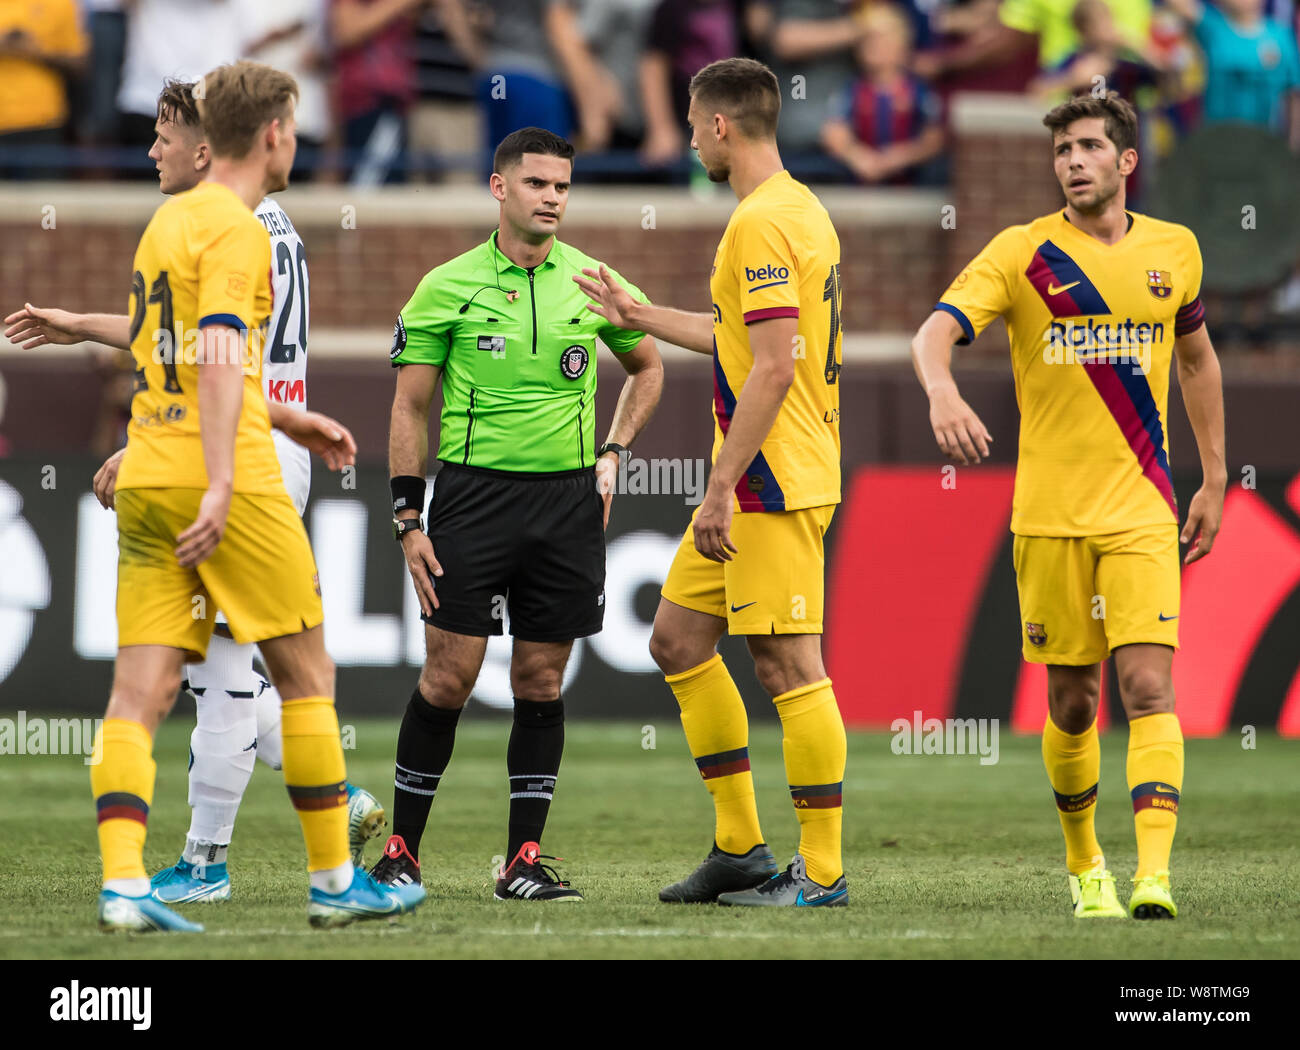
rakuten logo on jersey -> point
(286, 392)
(773, 274)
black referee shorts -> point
(532, 544)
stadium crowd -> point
(420, 89)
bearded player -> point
(1097, 301)
(752, 562)
(238, 709)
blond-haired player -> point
(204, 521)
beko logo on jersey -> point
(1087, 342)
(771, 275)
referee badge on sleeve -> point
(573, 362)
(399, 340)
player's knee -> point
(1073, 705)
(1146, 691)
(445, 687)
(674, 653)
(538, 686)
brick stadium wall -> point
(361, 277)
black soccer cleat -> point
(722, 872)
(396, 867)
(527, 879)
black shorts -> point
(529, 544)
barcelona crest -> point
(1160, 283)
(1036, 633)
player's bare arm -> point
(408, 453)
(958, 430)
(221, 397)
(316, 432)
(35, 326)
(636, 404)
(1201, 381)
(757, 407)
(612, 301)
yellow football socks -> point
(815, 749)
(717, 732)
(1073, 762)
(316, 778)
(122, 779)
(1155, 780)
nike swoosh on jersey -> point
(1165, 619)
(1054, 290)
(737, 608)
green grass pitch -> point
(945, 858)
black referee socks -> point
(424, 746)
(533, 762)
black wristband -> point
(619, 450)
(408, 493)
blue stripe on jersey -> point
(227, 319)
(1139, 392)
(1066, 271)
(962, 320)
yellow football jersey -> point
(204, 259)
(1092, 329)
(780, 257)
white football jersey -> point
(284, 369)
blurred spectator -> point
(107, 23)
(811, 47)
(1053, 23)
(291, 35)
(685, 36)
(1252, 69)
(446, 123)
(971, 50)
(181, 39)
(887, 123)
(1102, 53)
(616, 33)
(537, 71)
(375, 84)
(41, 41)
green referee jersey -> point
(518, 352)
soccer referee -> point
(516, 521)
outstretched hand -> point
(608, 298)
(33, 326)
(326, 437)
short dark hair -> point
(742, 89)
(176, 104)
(530, 140)
(1121, 121)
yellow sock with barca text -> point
(717, 732)
(1155, 781)
(1073, 762)
(316, 778)
(815, 748)
(121, 779)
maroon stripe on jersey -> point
(1190, 317)
(1117, 398)
(771, 311)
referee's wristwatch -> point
(622, 451)
(401, 526)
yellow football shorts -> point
(262, 574)
(1082, 597)
(774, 583)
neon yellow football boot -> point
(1151, 899)
(1093, 895)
